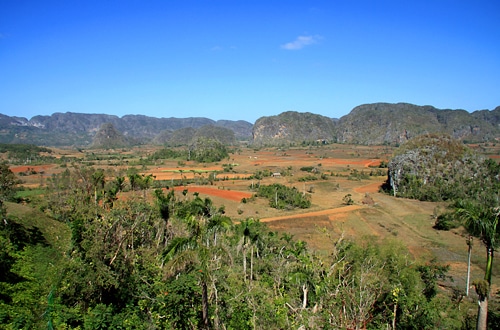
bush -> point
(446, 221)
(307, 169)
(347, 200)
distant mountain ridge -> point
(67, 129)
(380, 123)
(377, 124)
(368, 124)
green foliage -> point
(28, 268)
(283, 197)
(358, 175)
(447, 221)
(308, 178)
(260, 174)
(8, 183)
(207, 150)
(347, 200)
(307, 168)
(167, 153)
(177, 300)
(430, 274)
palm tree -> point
(203, 223)
(98, 180)
(469, 252)
(481, 220)
(250, 239)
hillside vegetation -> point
(437, 168)
(179, 262)
(125, 240)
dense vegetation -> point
(167, 153)
(161, 260)
(440, 168)
(283, 197)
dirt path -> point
(371, 188)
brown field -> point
(373, 214)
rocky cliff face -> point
(293, 127)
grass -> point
(56, 234)
(29, 193)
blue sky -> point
(235, 59)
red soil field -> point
(188, 169)
(37, 168)
(227, 194)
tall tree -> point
(8, 182)
(481, 220)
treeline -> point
(25, 153)
(165, 260)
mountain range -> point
(368, 124)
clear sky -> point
(236, 59)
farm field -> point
(339, 171)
